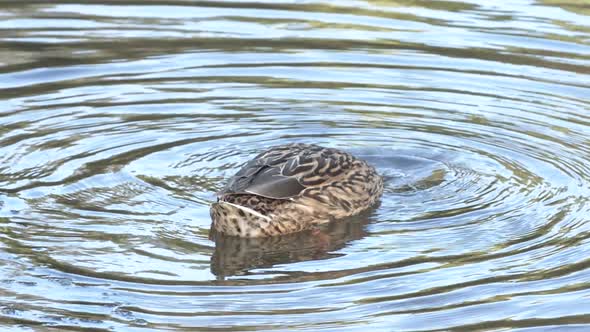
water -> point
(119, 120)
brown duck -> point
(293, 187)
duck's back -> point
(284, 171)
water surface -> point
(119, 120)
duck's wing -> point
(284, 171)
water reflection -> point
(236, 256)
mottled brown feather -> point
(293, 187)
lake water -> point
(119, 120)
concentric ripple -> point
(120, 120)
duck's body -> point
(294, 187)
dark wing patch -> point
(259, 178)
(270, 183)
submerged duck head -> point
(294, 187)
